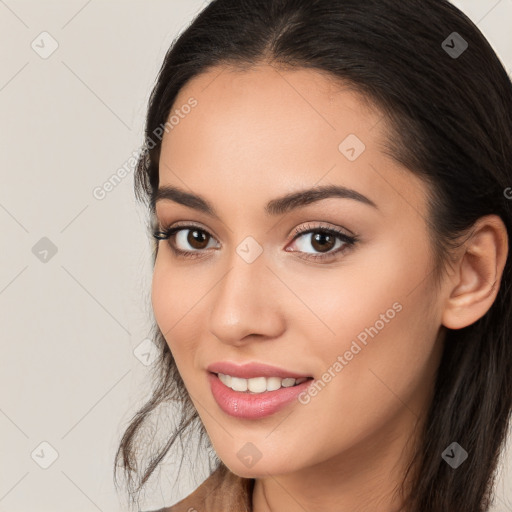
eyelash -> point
(167, 232)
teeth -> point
(273, 383)
(288, 382)
(238, 384)
(258, 384)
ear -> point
(478, 273)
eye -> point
(327, 241)
(187, 241)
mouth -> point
(258, 385)
(256, 397)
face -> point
(349, 302)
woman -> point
(328, 183)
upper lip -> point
(250, 370)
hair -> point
(449, 121)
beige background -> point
(70, 325)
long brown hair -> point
(449, 105)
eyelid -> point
(164, 226)
(300, 230)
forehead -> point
(302, 97)
(270, 130)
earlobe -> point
(478, 274)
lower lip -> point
(253, 405)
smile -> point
(258, 384)
(254, 405)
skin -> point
(259, 134)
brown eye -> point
(323, 241)
(197, 239)
(187, 241)
(190, 239)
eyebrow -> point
(278, 206)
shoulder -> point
(222, 491)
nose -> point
(246, 303)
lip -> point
(253, 406)
(250, 370)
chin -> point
(261, 469)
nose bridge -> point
(242, 302)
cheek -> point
(162, 298)
(394, 325)
(368, 288)
(174, 292)
(169, 301)
(375, 382)
(378, 314)
(177, 297)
